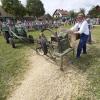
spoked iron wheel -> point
(11, 41)
(31, 39)
(40, 51)
(6, 36)
(51, 51)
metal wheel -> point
(51, 48)
(39, 51)
(11, 41)
(31, 39)
(6, 36)
(51, 51)
(48, 32)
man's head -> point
(80, 17)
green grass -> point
(13, 61)
(47, 33)
(90, 65)
(94, 70)
(11, 64)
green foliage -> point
(95, 11)
(72, 14)
(14, 7)
(21, 11)
(12, 63)
(82, 10)
(35, 8)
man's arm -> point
(73, 29)
(82, 28)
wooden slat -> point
(65, 52)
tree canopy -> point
(35, 8)
(94, 11)
(14, 7)
(82, 10)
(72, 14)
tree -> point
(22, 10)
(82, 10)
(14, 7)
(35, 8)
(72, 14)
(94, 11)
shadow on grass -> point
(86, 60)
(21, 44)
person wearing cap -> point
(81, 27)
(90, 26)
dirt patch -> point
(45, 81)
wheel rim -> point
(40, 51)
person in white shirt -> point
(81, 27)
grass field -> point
(94, 66)
(13, 64)
(90, 65)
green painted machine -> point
(16, 32)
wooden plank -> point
(65, 52)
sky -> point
(51, 5)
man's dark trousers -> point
(82, 44)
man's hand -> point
(76, 32)
(70, 32)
